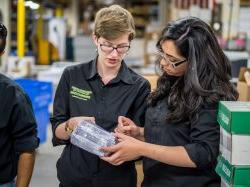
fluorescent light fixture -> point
(32, 5)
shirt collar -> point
(92, 69)
(124, 73)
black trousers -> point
(108, 176)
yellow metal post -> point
(39, 28)
(59, 11)
(20, 28)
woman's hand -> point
(128, 127)
(64, 130)
(74, 121)
(127, 149)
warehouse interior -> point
(46, 36)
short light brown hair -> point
(113, 21)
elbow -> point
(201, 156)
(192, 164)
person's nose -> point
(164, 63)
(114, 52)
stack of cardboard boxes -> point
(152, 78)
(234, 161)
(243, 85)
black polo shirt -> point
(81, 93)
(200, 139)
(18, 130)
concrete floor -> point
(44, 173)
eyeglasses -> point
(163, 56)
(120, 49)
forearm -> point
(175, 155)
(61, 133)
(25, 168)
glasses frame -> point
(114, 48)
(166, 59)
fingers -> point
(120, 119)
(74, 121)
(119, 128)
(119, 163)
(86, 118)
(124, 121)
(121, 136)
(110, 149)
(113, 159)
(127, 130)
(91, 119)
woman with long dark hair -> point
(180, 140)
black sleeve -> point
(60, 107)
(140, 104)
(205, 138)
(23, 123)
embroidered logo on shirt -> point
(80, 93)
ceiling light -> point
(32, 5)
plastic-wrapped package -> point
(90, 137)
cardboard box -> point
(152, 80)
(139, 170)
(242, 87)
(237, 176)
(224, 184)
(235, 148)
(234, 117)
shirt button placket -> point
(100, 113)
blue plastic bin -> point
(40, 94)
(42, 118)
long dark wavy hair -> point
(206, 80)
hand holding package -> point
(90, 137)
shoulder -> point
(78, 67)
(8, 84)
(12, 90)
(78, 70)
(137, 78)
(5, 81)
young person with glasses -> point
(180, 140)
(99, 90)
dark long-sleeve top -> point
(18, 129)
(200, 140)
(81, 93)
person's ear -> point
(95, 39)
(2, 52)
